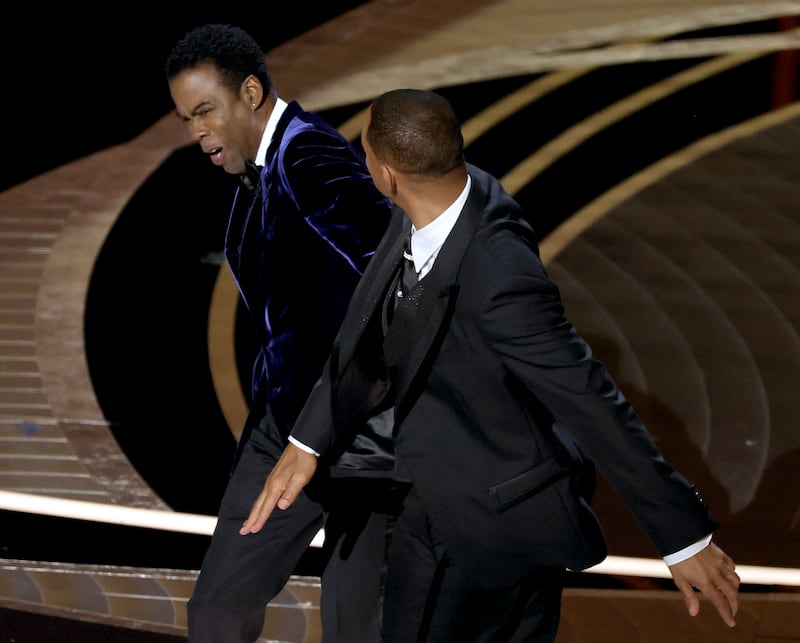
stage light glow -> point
(204, 525)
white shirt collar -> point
(426, 242)
(269, 130)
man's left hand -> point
(711, 571)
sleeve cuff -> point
(687, 552)
(302, 446)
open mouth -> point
(216, 156)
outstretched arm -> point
(290, 475)
(711, 571)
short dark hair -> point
(417, 131)
(230, 49)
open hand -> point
(711, 571)
(291, 473)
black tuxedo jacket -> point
(497, 399)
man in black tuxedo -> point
(501, 411)
(302, 228)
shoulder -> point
(503, 234)
(310, 144)
(300, 123)
(504, 253)
(505, 247)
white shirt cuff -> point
(302, 446)
(687, 552)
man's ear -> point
(252, 91)
(389, 177)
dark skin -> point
(228, 126)
(711, 570)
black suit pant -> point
(429, 600)
(241, 574)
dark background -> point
(78, 80)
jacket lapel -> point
(437, 305)
(246, 206)
(370, 292)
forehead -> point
(197, 85)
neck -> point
(424, 200)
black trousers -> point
(241, 574)
(429, 600)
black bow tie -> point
(251, 178)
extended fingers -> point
(725, 599)
(288, 477)
(722, 589)
(290, 493)
(262, 508)
(690, 598)
(725, 587)
(713, 573)
(728, 589)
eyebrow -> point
(195, 109)
(201, 105)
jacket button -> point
(698, 495)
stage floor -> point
(655, 146)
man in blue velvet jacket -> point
(302, 229)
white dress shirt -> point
(269, 131)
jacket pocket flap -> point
(526, 484)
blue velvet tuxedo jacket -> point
(501, 411)
(296, 252)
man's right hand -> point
(291, 473)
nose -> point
(196, 130)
